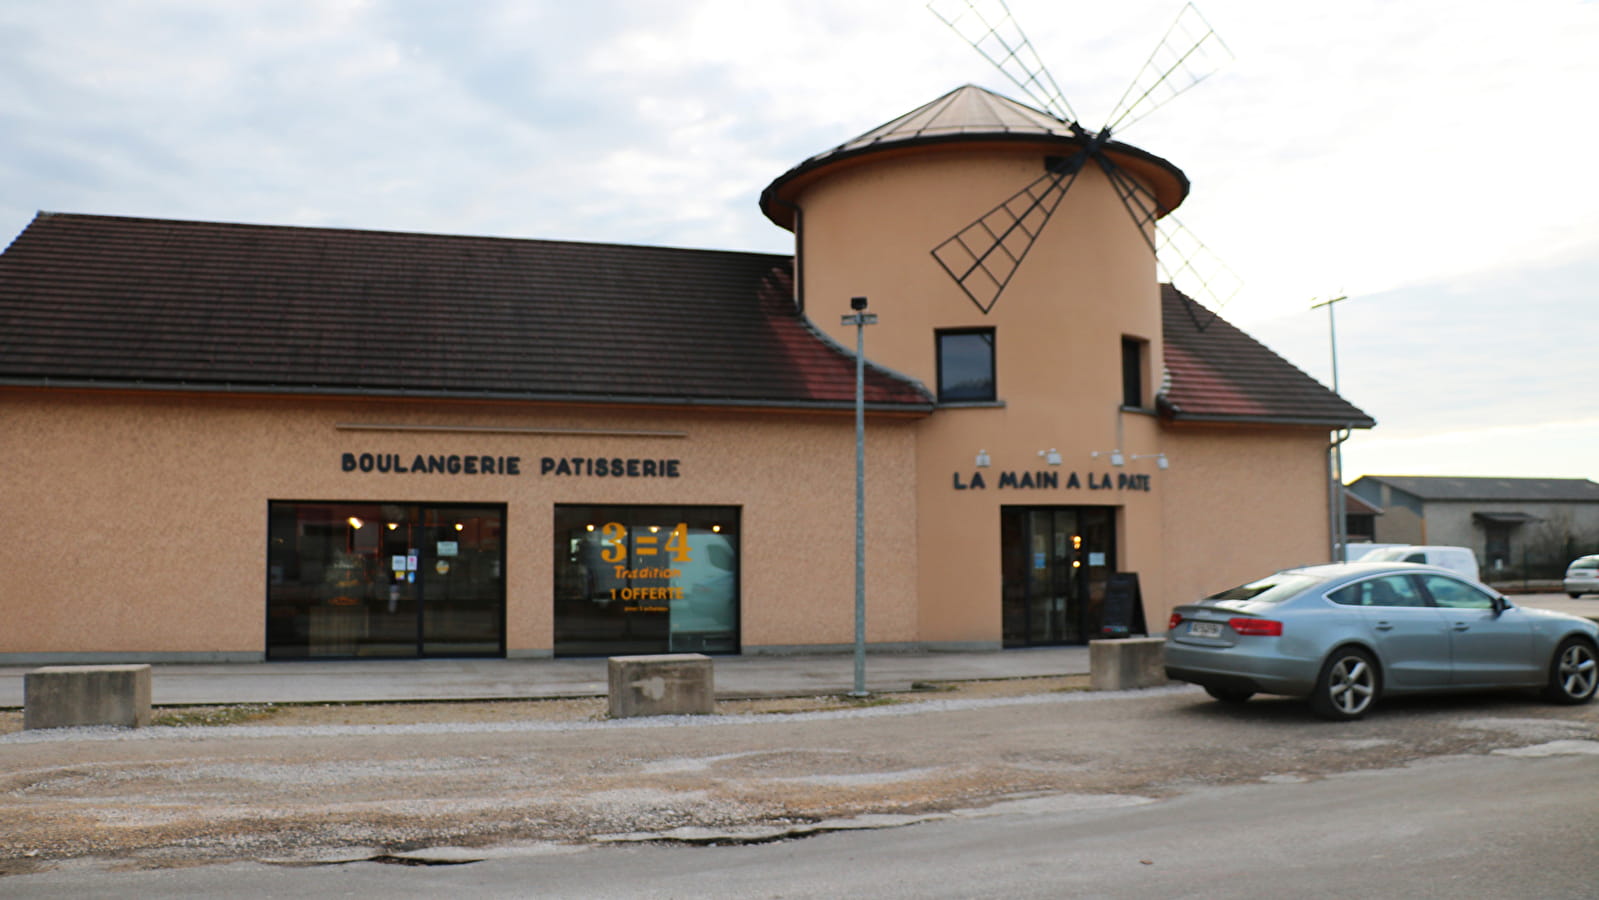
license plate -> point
(1205, 629)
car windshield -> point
(1273, 589)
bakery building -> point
(243, 442)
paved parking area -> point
(495, 679)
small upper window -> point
(966, 366)
(1134, 352)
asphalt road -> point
(1113, 794)
(1452, 829)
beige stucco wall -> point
(1243, 503)
(137, 522)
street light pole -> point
(1340, 512)
(860, 320)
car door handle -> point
(1462, 626)
(1384, 626)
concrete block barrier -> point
(672, 684)
(69, 696)
(1126, 664)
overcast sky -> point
(1430, 160)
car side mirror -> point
(1500, 604)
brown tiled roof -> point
(1217, 373)
(110, 301)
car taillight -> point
(1175, 620)
(1256, 627)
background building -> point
(1518, 527)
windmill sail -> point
(983, 256)
(988, 26)
(1187, 54)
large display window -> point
(375, 580)
(646, 579)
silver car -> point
(1582, 576)
(1345, 635)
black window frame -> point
(1135, 356)
(992, 394)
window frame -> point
(1135, 372)
(992, 394)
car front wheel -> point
(1347, 686)
(1574, 672)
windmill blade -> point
(983, 256)
(1190, 52)
(1200, 275)
(1181, 258)
(991, 30)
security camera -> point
(857, 303)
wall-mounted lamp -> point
(982, 459)
(1051, 456)
(1116, 457)
(355, 522)
(1161, 462)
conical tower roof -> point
(967, 114)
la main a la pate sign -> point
(1051, 481)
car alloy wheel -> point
(1574, 673)
(1347, 686)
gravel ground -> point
(454, 781)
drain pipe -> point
(1338, 533)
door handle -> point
(1462, 626)
(1384, 626)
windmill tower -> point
(1010, 255)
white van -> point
(1357, 552)
(1460, 560)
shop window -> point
(384, 580)
(966, 366)
(646, 579)
(1135, 354)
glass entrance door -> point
(384, 580)
(1056, 561)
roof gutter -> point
(1177, 416)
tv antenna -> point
(984, 256)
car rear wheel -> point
(1229, 695)
(1574, 672)
(1347, 686)
(1572, 596)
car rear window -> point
(1586, 563)
(1274, 589)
